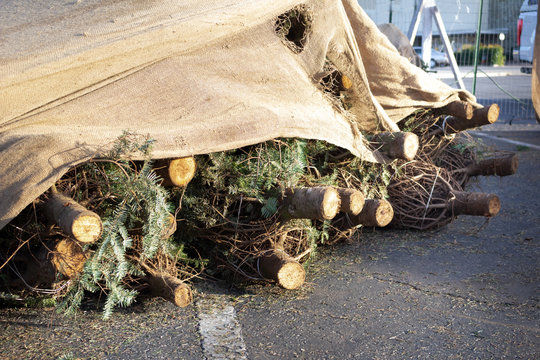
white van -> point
(527, 29)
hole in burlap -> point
(332, 85)
(293, 27)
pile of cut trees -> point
(424, 189)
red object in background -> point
(519, 30)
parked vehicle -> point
(526, 29)
(438, 58)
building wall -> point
(458, 15)
(460, 18)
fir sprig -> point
(139, 199)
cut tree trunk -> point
(176, 172)
(74, 219)
(169, 288)
(476, 204)
(484, 116)
(397, 145)
(68, 258)
(459, 109)
(346, 82)
(41, 269)
(277, 265)
(318, 203)
(352, 201)
(501, 166)
(378, 213)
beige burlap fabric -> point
(196, 76)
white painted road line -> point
(477, 133)
(220, 331)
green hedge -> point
(488, 55)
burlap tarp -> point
(196, 76)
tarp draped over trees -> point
(195, 76)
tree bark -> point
(277, 265)
(459, 109)
(475, 204)
(397, 145)
(352, 201)
(74, 219)
(176, 172)
(378, 213)
(68, 258)
(169, 288)
(319, 203)
(502, 166)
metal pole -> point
(477, 47)
(390, 17)
(427, 36)
(415, 22)
(448, 47)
